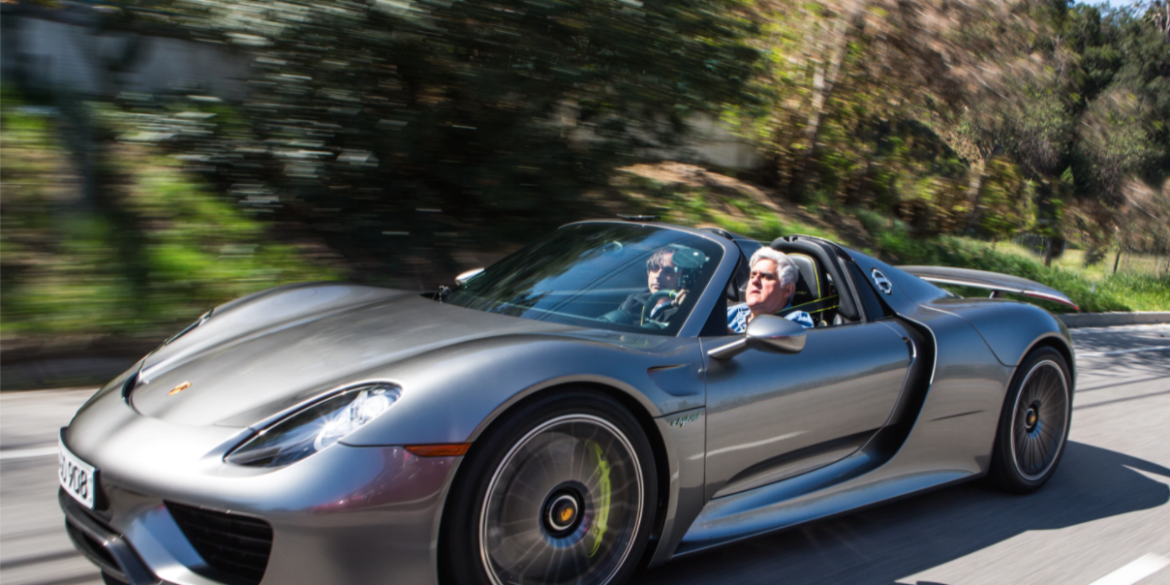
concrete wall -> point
(714, 143)
(48, 52)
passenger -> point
(769, 291)
(663, 281)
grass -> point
(1092, 289)
(1073, 259)
(167, 249)
(733, 206)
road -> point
(1102, 520)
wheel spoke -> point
(1043, 447)
(583, 467)
(1044, 400)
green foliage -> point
(967, 118)
(408, 136)
(736, 207)
(1121, 292)
(65, 271)
(497, 113)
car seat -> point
(815, 293)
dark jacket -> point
(637, 311)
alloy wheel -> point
(563, 505)
(1040, 420)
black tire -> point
(559, 490)
(1034, 423)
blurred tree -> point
(373, 120)
(862, 63)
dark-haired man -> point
(663, 296)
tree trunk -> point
(824, 80)
(978, 168)
(1116, 260)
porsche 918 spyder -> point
(557, 418)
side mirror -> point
(776, 333)
(765, 332)
(466, 276)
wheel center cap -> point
(1031, 418)
(561, 513)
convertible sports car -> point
(560, 417)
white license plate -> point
(77, 477)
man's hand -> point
(679, 298)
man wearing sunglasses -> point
(665, 293)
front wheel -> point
(1034, 423)
(560, 491)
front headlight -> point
(316, 427)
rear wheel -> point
(1034, 423)
(560, 491)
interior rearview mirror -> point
(466, 276)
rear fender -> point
(1011, 329)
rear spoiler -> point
(994, 281)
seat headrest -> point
(808, 273)
(804, 293)
(813, 260)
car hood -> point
(253, 360)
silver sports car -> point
(570, 414)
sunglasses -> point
(652, 266)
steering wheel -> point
(651, 302)
(662, 294)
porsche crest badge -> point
(882, 282)
(179, 388)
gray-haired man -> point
(769, 290)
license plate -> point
(77, 477)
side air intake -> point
(236, 545)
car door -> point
(771, 415)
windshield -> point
(612, 276)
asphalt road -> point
(1102, 520)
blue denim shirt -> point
(737, 317)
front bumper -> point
(102, 546)
(345, 515)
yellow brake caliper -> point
(602, 523)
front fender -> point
(451, 395)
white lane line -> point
(1121, 351)
(27, 453)
(1135, 571)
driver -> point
(664, 295)
(769, 290)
